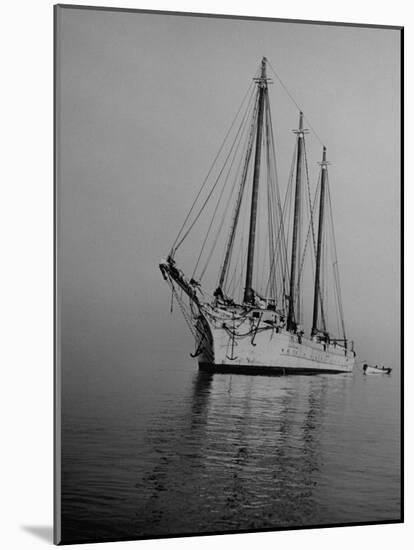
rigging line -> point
(338, 324)
(271, 287)
(337, 318)
(295, 102)
(228, 249)
(241, 256)
(234, 260)
(310, 229)
(336, 273)
(278, 210)
(281, 245)
(323, 290)
(242, 237)
(258, 250)
(271, 282)
(311, 211)
(208, 232)
(306, 245)
(339, 298)
(323, 283)
(212, 190)
(218, 233)
(288, 211)
(280, 254)
(239, 282)
(224, 216)
(298, 292)
(230, 286)
(325, 277)
(239, 140)
(249, 89)
(321, 299)
(336, 269)
(311, 208)
(273, 148)
(182, 308)
(285, 219)
(236, 284)
(233, 227)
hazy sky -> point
(144, 103)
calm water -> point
(169, 450)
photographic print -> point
(228, 274)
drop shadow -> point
(44, 532)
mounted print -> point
(228, 274)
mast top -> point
(324, 162)
(263, 80)
(301, 130)
(263, 68)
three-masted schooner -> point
(252, 321)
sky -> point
(143, 104)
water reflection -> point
(200, 396)
(221, 453)
(247, 457)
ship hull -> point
(258, 349)
(253, 369)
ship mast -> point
(293, 296)
(317, 296)
(262, 87)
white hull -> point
(267, 349)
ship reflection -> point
(243, 452)
(201, 393)
(264, 432)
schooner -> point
(252, 320)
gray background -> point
(144, 103)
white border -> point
(26, 274)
